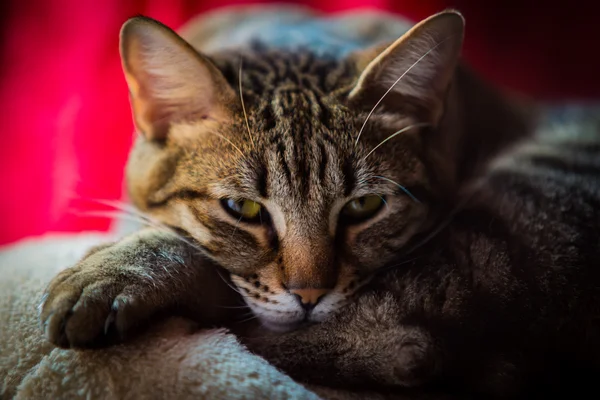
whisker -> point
(385, 269)
(243, 105)
(230, 285)
(248, 319)
(234, 307)
(126, 208)
(247, 314)
(394, 84)
(405, 190)
(419, 125)
(132, 213)
(114, 215)
(382, 199)
(230, 142)
(444, 222)
(235, 227)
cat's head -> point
(299, 175)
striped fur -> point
(288, 139)
(504, 302)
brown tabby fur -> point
(470, 308)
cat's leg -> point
(366, 343)
(118, 286)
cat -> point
(318, 187)
(504, 300)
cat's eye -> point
(247, 210)
(363, 207)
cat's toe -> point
(92, 317)
(78, 312)
(416, 358)
(414, 365)
(54, 316)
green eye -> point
(363, 207)
(244, 209)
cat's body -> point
(277, 178)
(505, 299)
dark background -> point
(66, 123)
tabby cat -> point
(343, 193)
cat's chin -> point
(280, 327)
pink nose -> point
(309, 297)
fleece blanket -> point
(172, 360)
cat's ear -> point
(168, 80)
(417, 68)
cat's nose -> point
(309, 298)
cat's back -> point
(547, 189)
(292, 27)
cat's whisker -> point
(244, 106)
(235, 227)
(382, 199)
(385, 269)
(445, 221)
(418, 125)
(238, 291)
(112, 215)
(254, 316)
(126, 208)
(234, 307)
(135, 218)
(134, 214)
(249, 313)
(394, 84)
(405, 190)
(230, 142)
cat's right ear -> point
(169, 81)
(416, 69)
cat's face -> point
(280, 189)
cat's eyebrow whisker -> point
(395, 83)
(405, 190)
(418, 125)
(230, 142)
(382, 199)
(211, 131)
(244, 106)
(442, 224)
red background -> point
(66, 124)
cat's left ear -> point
(416, 69)
(169, 81)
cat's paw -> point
(415, 360)
(91, 304)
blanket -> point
(172, 360)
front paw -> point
(414, 360)
(91, 304)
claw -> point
(109, 321)
(40, 306)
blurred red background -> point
(66, 122)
